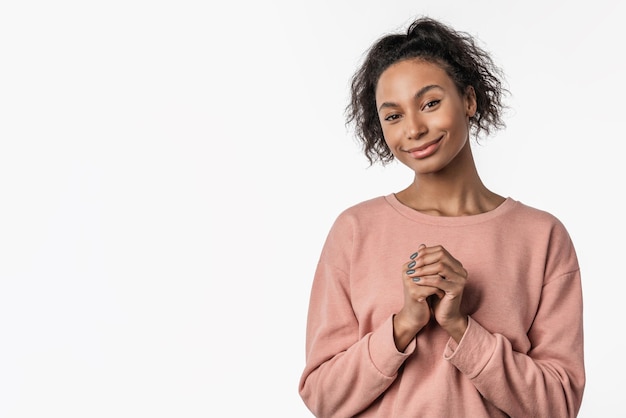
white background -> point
(169, 171)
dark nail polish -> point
(412, 264)
(416, 279)
(413, 256)
(410, 271)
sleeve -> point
(344, 373)
(549, 380)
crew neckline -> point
(417, 216)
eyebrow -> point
(419, 94)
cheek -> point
(443, 120)
(393, 138)
(452, 122)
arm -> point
(548, 381)
(344, 374)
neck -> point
(455, 191)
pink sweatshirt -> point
(522, 353)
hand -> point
(436, 268)
(416, 311)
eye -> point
(431, 104)
(392, 117)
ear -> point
(470, 101)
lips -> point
(425, 150)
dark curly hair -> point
(430, 40)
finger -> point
(436, 280)
(409, 266)
(440, 269)
(431, 261)
(446, 267)
(434, 253)
(429, 255)
(414, 255)
(424, 250)
(429, 279)
(421, 293)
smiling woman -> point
(421, 107)
(445, 298)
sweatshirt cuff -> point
(473, 352)
(383, 352)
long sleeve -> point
(549, 380)
(344, 374)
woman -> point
(444, 299)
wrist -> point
(411, 322)
(456, 328)
(404, 331)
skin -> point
(426, 125)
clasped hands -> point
(433, 284)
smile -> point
(425, 150)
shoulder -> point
(365, 209)
(357, 217)
(345, 231)
(534, 217)
(547, 234)
(367, 215)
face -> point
(425, 120)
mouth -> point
(425, 150)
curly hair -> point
(455, 52)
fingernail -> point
(413, 256)
(416, 279)
(410, 271)
(412, 264)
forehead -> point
(409, 76)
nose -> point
(416, 127)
